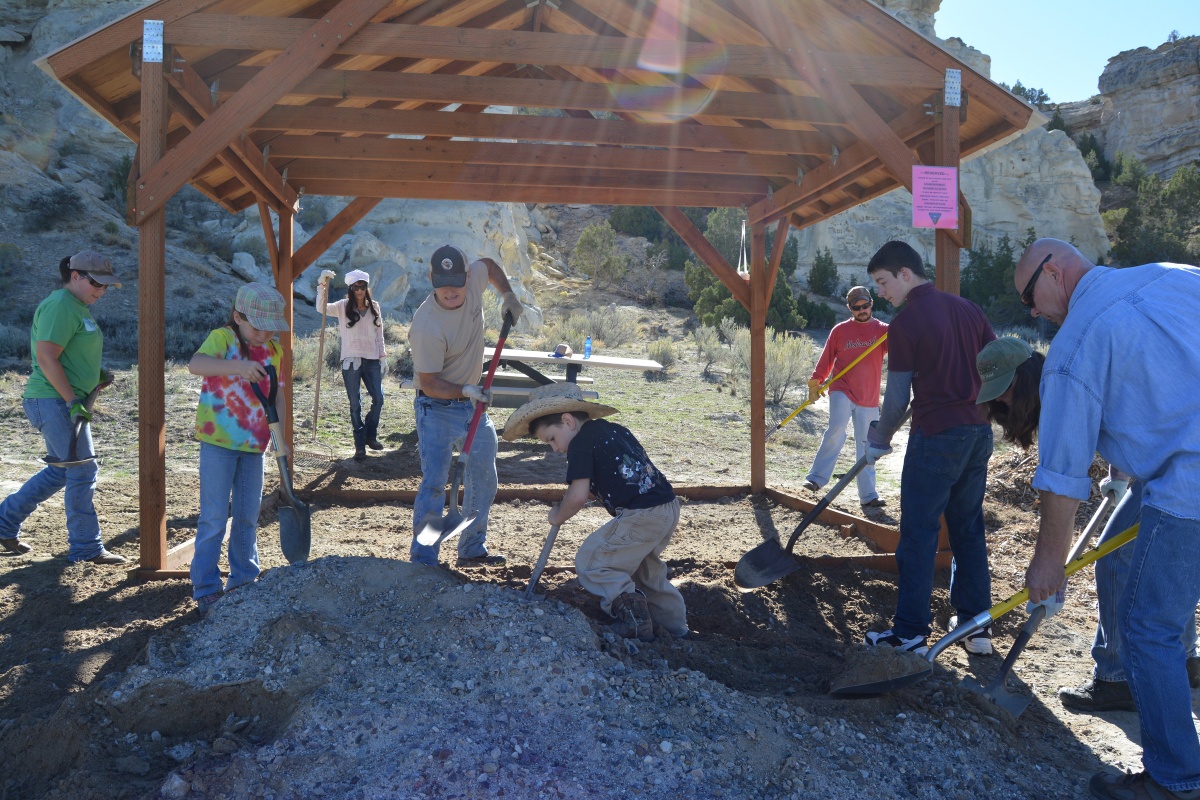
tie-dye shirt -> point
(229, 415)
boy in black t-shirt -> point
(621, 561)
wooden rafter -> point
(333, 230)
(299, 59)
(704, 250)
(296, 119)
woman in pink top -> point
(361, 325)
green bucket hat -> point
(262, 305)
(997, 362)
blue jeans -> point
(1111, 572)
(1160, 597)
(51, 417)
(370, 374)
(440, 423)
(225, 473)
(945, 473)
(841, 411)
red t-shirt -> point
(846, 342)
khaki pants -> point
(624, 554)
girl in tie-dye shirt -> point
(231, 425)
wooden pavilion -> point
(792, 109)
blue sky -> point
(1061, 46)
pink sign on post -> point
(935, 197)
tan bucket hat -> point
(553, 398)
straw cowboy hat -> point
(553, 398)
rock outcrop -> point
(1148, 106)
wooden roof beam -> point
(192, 90)
(1003, 103)
(788, 37)
(344, 149)
(704, 250)
(910, 126)
(301, 172)
(525, 47)
(295, 119)
(420, 190)
(400, 87)
(300, 58)
(330, 232)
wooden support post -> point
(946, 147)
(760, 298)
(152, 496)
(283, 282)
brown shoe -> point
(633, 617)
(878, 502)
(810, 486)
(1098, 695)
(375, 444)
(106, 557)
(15, 546)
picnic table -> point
(511, 388)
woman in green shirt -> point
(66, 345)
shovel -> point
(73, 459)
(996, 691)
(439, 530)
(769, 562)
(295, 517)
(541, 562)
(981, 620)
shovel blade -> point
(438, 530)
(883, 686)
(764, 565)
(295, 532)
(1014, 704)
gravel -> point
(371, 678)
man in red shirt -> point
(855, 395)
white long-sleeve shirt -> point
(365, 339)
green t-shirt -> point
(63, 319)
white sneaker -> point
(979, 642)
(889, 639)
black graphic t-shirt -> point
(616, 466)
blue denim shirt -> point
(1122, 378)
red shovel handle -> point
(487, 384)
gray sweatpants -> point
(625, 553)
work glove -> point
(106, 378)
(875, 448)
(477, 394)
(79, 412)
(509, 304)
(1116, 487)
(1053, 604)
(814, 389)
(326, 276)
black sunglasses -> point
(1027, 295)
(359, 285)
(93, 281)
(861, 306)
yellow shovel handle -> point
(824, 385)
(1072, 567)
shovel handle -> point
(487, 384)
(825, 385)
(986, 618)
(541, 562)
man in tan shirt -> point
(447, 343)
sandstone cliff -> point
(1148, 106)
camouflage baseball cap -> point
(262, 306)
(997, 363)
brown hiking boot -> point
(1098, 695)
(633, 617)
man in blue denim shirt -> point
(1103, 390)
(932, 345)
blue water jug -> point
(587, 347)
